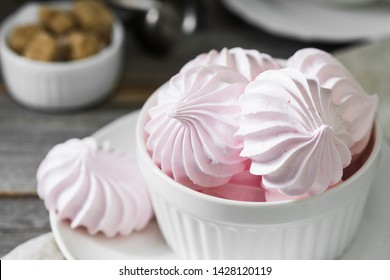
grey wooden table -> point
(26, 136)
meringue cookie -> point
(96, 188)
(357, 106)
(243, 186)
(272, 195)
(293, 133)
(191, 128)
(249, 63)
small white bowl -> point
(59, 86)
(198, 226)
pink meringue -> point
(96, 188)
(272, 195)
(356, 105)
(191, 128)
(249, 63)
(243, 186)
(293, 133)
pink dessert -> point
(293, 133)
(302, 129)
(191, 128)
(248, 63)
(94, 187)
(356, 105)
(243, 186)
(272, 195)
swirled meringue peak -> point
(94, 187)
(293, 133)
(249, 63)
(191, 128)
(356, 105)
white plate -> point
(307, 20)
(371, 242)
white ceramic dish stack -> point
(330, 21)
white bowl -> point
(59, 86)
(198, 226)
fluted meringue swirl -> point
(94, 187)
(249, 63)
(293, 133)
(356, 105)
(191, 128)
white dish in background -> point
(372, 240)
(311, 21)
(59, 86)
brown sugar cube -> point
(94, 16)
(62, 48)
(21, 35)
(42, 47)
(45, 15)
(57, 21)
(81, 45)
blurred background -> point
(160, 37)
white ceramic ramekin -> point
(59, 86)
(198, 226)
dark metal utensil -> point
(158, 23)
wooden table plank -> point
(21, 219)
(26, 137)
